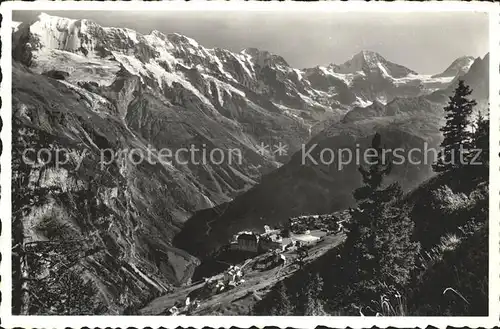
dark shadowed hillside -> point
(297, 188)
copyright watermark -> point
(311, 154)
(193, 155)
(314, 155)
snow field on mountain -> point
(80, 68)
(223, 88)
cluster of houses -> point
(232, 277)
(270, 260)
(183, 308)
(257, 243)
(301, 231)
(327, 222)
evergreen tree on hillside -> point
(457, 137)
(282, 304)
(378, 251)
(309, 298)
(481, 143)
(314, 306)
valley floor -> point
(240, 300)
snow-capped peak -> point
(362, 61)
(263, 57)
(459, 66)
(179, 38)
(157, 34)
(54, 20)
(370, 57)
(370, 62)
(79, 36)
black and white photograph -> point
(250, 163)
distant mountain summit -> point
(476, 76)
(370, 62)
(263, 57)
(459, 66)
(370, 77)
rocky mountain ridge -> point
(299, 94)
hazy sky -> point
(424, 42)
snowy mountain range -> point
(93, 88)
(161, 59)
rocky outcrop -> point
(56, 74)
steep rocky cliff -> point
(119, 216)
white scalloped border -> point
(9, 321)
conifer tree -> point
(314, 303)
(378, 250)
(282, 303)
(457, 138)
(309, 301)
(481, 144)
